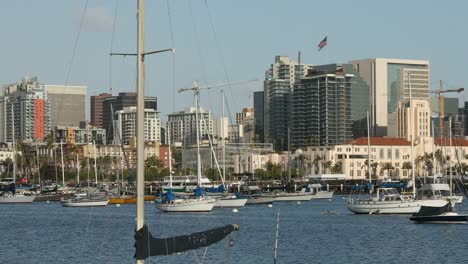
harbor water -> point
(309, 232)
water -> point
(50, 233)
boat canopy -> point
(220, 189)
(435, 186)
(147, 245)
(401, 185)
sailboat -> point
(8, 194)
(170, 203)
(389, 200)
(146, 245)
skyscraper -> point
(97, 109)
(182, 126)
(389, 81)
(278, 83)
(31, 111)
(323, 110)
(126, 124)
(117, 103)
(67, 104)
(259, 115)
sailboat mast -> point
(140, 184)
(95, 164)
(170, 157)
(197, 94)
(368, 150)
(13, 140)
(451, 156)
(63, 169)
(222, 141)
(412, 136)
(433, 154)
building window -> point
(389, 153)
(397, 154)
(381, 153)
(351, 173)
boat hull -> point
(293, 197)
(231, 202)
(187, 205)
(323, 195)
(84, 203)
(441, 219)
(260, 200)
(391, 207)
(17, 199)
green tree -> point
(336, 168)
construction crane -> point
(440, 93)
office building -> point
(259, 116)
(97, 105)
(80, 136)
(67, 104)
(389, 81)
(182, 126)
(126, 125)
(117, 103)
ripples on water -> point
(50, 233)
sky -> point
(69, 41)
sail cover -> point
(432, 210)
(147, 245)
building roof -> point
(379, 141)
(455, 142)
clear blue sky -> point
(37, 38)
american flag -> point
(322, 43)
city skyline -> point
(368, 34)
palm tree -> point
(326, 165)
(407, 166)
(336, 168)
(387, 167)
(316, 161)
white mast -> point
(368, 151)
(170, 157)
(63, 167)
(433, 154)
(197, 94)
(77, 169)
(451, 155)
(95, 166)
(13, 140)
(140, 122)
(223, 138)
(412, 136)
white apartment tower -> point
(182, 126)
(278, 84)
(390, 81)
(31, 110)
(126, 124)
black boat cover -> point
(431, 210)
(146, 245)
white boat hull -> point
(261, 200)
(391, 207)
(290, 197)
(17, 198)
(231, 202)
(187, 205)
(84, 203)
(323, 195)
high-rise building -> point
(323, 110)
(67, 104)
(29, 104)
(421, 120)
(126, 125)
(390, 81)
(247, 119)
(278, 83)
(258, 113)
(117, 103)
(80, 136)
(182, 126)
(97, 102)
